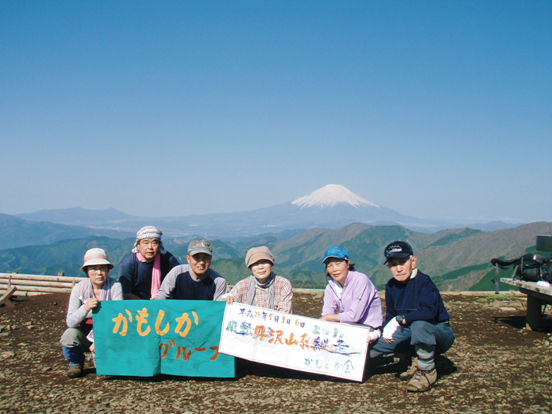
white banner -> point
(294, 341)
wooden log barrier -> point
(27, 282)
(30, 285)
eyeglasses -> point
(152, 242)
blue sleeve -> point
(126, 274)
(428, 301)
(390, 311)
(173, 261)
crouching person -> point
(264, 288)
(85, 296)
(417, 322)
(196, 280)
(142, 271)
(350, 297)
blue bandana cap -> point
(337, 252)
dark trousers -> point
(424, 338)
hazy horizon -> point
(343, 201)
(434, 109)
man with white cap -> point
(142, 271)
(196, 280)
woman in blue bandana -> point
(350, 296)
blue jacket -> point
(135, 276)
(418, 299)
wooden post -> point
(534, 313)
(5, 299)
(61, 273)
(9, 280)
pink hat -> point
(95, 257)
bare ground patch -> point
(495, 365)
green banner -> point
(149, 337)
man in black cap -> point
(416, 318)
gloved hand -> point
(390, 329)
(374, 336)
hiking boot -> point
(422, 380)
(410, 372)
(74, 371)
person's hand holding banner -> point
(146, 338)
(295, 342)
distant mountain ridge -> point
(78, 216)
(331, 206)
(456, 259)
(15, 232)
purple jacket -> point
(359, 303)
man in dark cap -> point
(142, 271)
(417, 322)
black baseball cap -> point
(398, 249)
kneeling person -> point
(264, 288)
(85, 296)
(194, 281)
(350, 296)
(142, 271)
(416, 318)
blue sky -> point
(433, 108)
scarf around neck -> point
(155, 272)
(88, 290)
(253, 283)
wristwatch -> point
(400, 319)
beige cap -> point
(258, 253)
(95, 257)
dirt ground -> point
(495, 365)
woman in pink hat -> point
(263, 288)
(85, 296)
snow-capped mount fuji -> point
(331, 206)
(330, 196)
